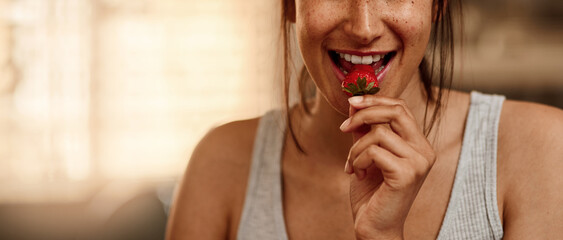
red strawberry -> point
(360, 81)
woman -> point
(420, 162)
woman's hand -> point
(390, 158)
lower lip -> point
(380, 76)
(339, 74)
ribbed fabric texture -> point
(262, 214)
(472, 211)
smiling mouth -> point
(345, 62)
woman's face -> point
(334, 35)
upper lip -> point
(360, 53)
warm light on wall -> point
(110, 90)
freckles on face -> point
(401, 27)
(411, 20)
(313, 19)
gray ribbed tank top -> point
(472, 211)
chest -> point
(316, 203)
(313, 211)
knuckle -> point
(402, 102)
(399, 110)
(372, 151)
(379, 131)
(428, 155)
(365, 120)
(423, 166)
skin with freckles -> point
(369, 171)
(364, 26)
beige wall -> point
(95, 91)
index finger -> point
(365, 101)
(394, 115)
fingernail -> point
(345, 124)
(355, 99)
(346, 168)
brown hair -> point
(436, 67)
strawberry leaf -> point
(353, 88)
(361, 83)
(373, 90)
(370, 85)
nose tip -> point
(363, 24)
(362, 33)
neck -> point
(320, 135)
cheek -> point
(413, 22)
(315, 19)
(308, 27)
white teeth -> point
(376, 58)
(355, 59)
(367, 59)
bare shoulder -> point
(213, 187)
(228, 144)
(531, 129)
(531, 117)
(530, 163)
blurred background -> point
(102, 101)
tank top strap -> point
(472, 211)
(262, 214)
